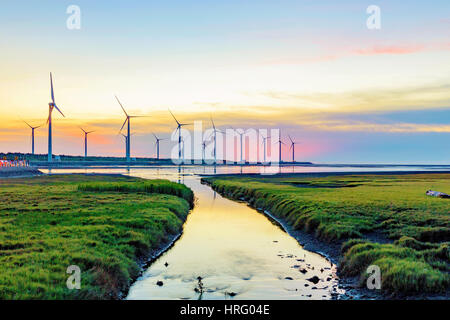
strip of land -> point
(104, 224)
(383, 220)
(12, 172)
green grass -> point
(339, 208)
(103, 224)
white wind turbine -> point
(179, 126)
(127, 121)
(51, 106)
(85, 140)
(32, 135)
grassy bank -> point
(353, 209)
(103, 224)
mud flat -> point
(10, 172)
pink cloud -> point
(392, 49)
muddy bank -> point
(19, 172)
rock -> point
(306, 285)
(288, 278)
(328, 279)
(159, 283)
(232, 294)
(303, 271)
(437, 194)
(314, 279)
(314, 288)
(166, 264)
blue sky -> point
(311, 68)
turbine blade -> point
(291, 139)
(51, 88)
(121, 106)
(174, 117)
(27, 124)
(123, 124)
(59, 111)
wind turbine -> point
(264, 142)
(203, 151)
(85, 140)
(215, 139)
(157, 145)
(293, 148)
(32, 135)
(179, 125)
(126, 140)
(241, 135)
(279, 149)
(127, 120)
(51, 106)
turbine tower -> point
(215, 139)
(203, 151)
(51, 106)
(241, 134)
(32, 135)
(179, 125)
(279, 149)
(264, 143)
(126, 141)
(127, 121)
(293, 148)
(157, 145)
(85, 140)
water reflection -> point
(238, 253)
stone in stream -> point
(288, 278)
(159, 283)
(303, 271)
(314, 279)
(166, 264)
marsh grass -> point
(103, 224)
(338, 208)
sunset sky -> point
(311, 68)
